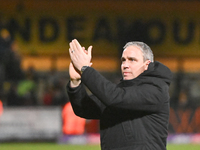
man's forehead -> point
(132, 49)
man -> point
(134, 113)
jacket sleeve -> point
(85, 106)
(146, 97)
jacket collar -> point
(155, 69)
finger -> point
(83, 48)
(70, 54)
(70, 51)
(77, 45)
(90, 51)
(72, 47)
(86, 52)
(70, 64)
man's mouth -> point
(126, 73)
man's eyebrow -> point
(134, 58)
(122, 58)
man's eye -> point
(123, 60)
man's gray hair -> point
(146, 50)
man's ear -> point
(147, 62)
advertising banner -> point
(47, 27)
(30, 123)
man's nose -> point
(125, 65)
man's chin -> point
(127, 78)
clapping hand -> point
(79, 57)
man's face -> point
(133, 62)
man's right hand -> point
(75, 76)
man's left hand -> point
(79, 56)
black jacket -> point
(133, 114)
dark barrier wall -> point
(184, 120)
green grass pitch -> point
(53, 146)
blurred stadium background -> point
(34, 38)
